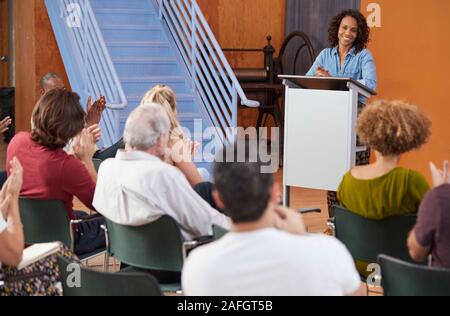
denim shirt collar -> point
(335, 51)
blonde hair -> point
(164, 96)
(393, 127)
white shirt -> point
(3, 226)
(269, 262)
(2, 223)
(137, 188)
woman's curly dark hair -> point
(363, 36)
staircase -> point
(144, 56)
(123, 48)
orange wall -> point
(412, 53)
(262, 17)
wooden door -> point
(4, 44)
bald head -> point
(51, 81)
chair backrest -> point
(366, 239)
(219, 232)
(296, 55)
(400, 278)
(156, 246)
(97, 162)
(94, 283)
(45, 221)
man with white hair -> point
(137, 187)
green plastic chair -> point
(366, 239)
(97, 163)
(94, 283)
(400, 278)
(158, 246)
(219, 232)
(46, 221)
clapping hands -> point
(84, 145)
(12, 187)
(440, 177)
(94, 111)
(4, 124)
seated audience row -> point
(146, 180)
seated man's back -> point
(138, 187)
(270, 262)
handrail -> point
(205, 61)
(89, 66)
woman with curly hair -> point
(348, 36)
(347, 56)
(383, 189)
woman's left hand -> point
(15, 178)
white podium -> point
(320, 131)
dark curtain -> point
(312, 17)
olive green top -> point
(398, 192)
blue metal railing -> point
(87, 60)
(211, 74)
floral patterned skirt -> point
(42, 278)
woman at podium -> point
(348, 35)
(347, 56)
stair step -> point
(181, 97)
(128, 43)
(121, 4)
(131, 32)
(184, 117)
(185, 102)
(140, 85)
(128, 49)
(125, 16)
(151, 66)
(188, 116)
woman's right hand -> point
(84, 146)
(322, 72)
(440, 177)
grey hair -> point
(47, 77)
(145, 125)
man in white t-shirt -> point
(267, 252)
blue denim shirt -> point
(360, 67)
